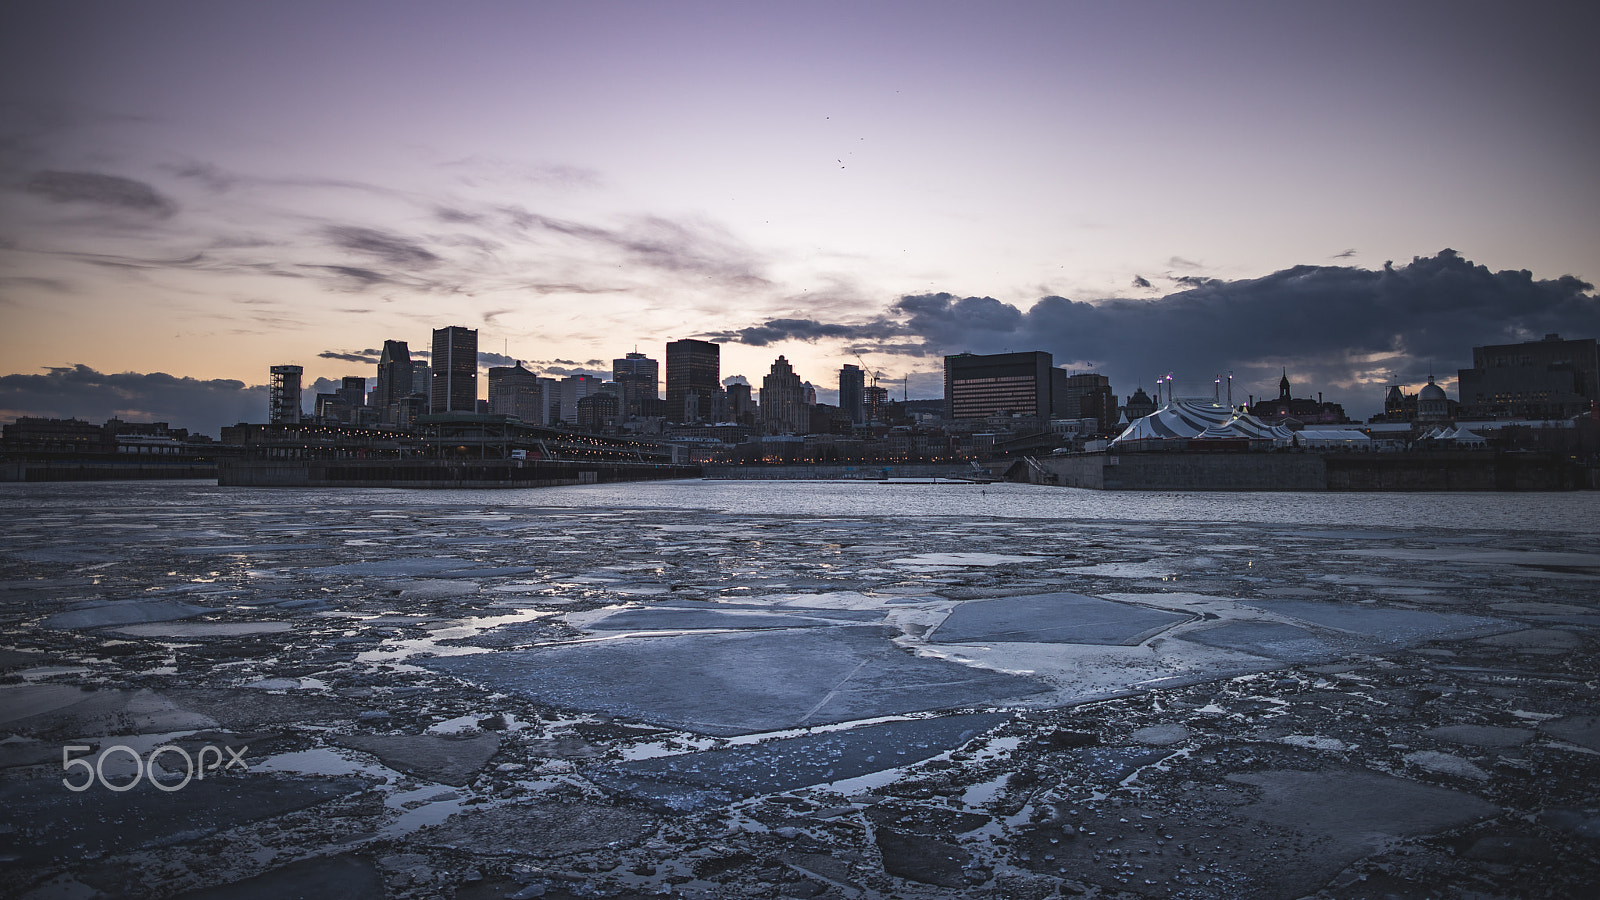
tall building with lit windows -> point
(1003, 384)
(455, 370)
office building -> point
(783, 406)
(694, 369)
(515, 391)
(1001, 384)
(572, 389)
(741, 405)
(455, 370)
(638, 380)
(283, 395)
(597, 410)
(1545, 379)
(1083, 396)
(852, 382)
(394, 380)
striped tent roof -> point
(1185, 419)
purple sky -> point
(203, 190)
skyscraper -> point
(852, 382)
(1008, 384)
(283, 395)
(394, 379)
(638, 380)
(783, 406)
(455, 370)
(694, 368)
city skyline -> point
(1135, 189)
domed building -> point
(1432, 404)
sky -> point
(1355, 192)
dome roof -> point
(1431, 391)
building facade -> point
(1000, 384)
(852, 398)
(694, 369)
(394, 380)
(1083, 396)
(1545, 379)
(1285, 408)
(515, 391)
(455, 370)
(638, 381)
(783, 401)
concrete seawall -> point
(102, 470)
(1308, 472)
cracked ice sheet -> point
(741, 682)
(703, 616)
(963, 560)
(1387, 626)
(1079, 673)
(1533, 562)
(691, 780)
(1060, 618)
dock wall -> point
(1310, 472)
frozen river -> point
(893, 675)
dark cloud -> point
(495, 359)
(1139, 281)
(391, 248)
(1193, 281)
(1344, 254)
(79, 392)
(946, 319)
(774, 330)
(735, 379)
(1338, 329)
(356, 356)
(104, 190)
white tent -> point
(1332, 439)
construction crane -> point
(867, 370)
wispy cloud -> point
(388, 247)
(99, 189)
